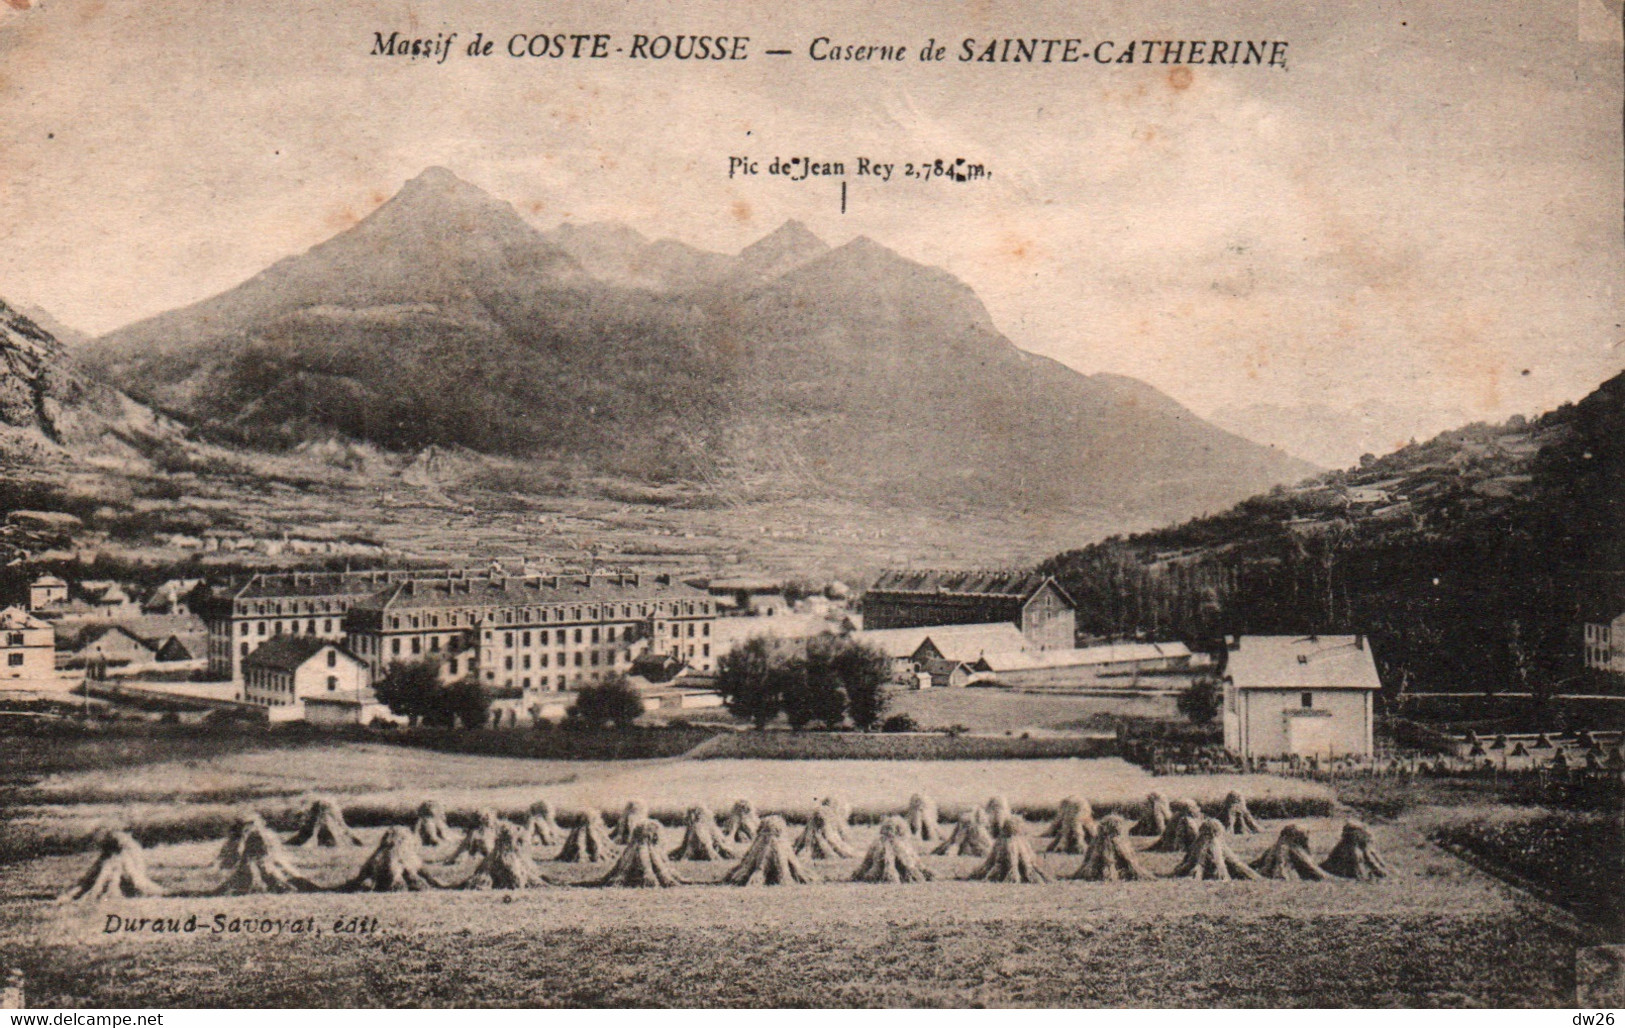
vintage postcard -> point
(693, 504)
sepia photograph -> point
(991, 504)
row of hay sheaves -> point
(255, 858)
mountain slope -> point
(51, 410)
(1472, 558)
(789, 369)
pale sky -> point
(1425, 208)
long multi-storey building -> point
(533, 633)
(241, 616)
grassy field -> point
(176, 800)
(1436, 934)
(998, 710)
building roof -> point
(97, 633)
(1020, 584)
(745, 585)
(1090, 656)
(322, 583)
(499, 591)
(15, 619)
(48, 580)
(966, 643)
(1302, 662)
(289, 652)
(902, 642)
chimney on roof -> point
(1359, 640)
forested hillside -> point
(1471, 559)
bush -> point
(1201, 702)
(1573, 858)
(899, 723)
(615, 702)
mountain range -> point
(791, 368)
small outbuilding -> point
(289, 669)
(1300, 696)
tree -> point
(812, 687)
(864, 672)
(747, 684)
(615, 702)
(791, 682)
(465, 703)
(411, 689)
(1201, 702)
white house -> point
(27, 652)
(1605, 645)
(47, 591)
(288, 669)
(1300, 695)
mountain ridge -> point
(793, 367)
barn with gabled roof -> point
(1035, 603)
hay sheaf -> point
(588, 842)
(1289, 858)
(262, 866)
(1210, 857)
(1074, 826)
(742, 822)
(1012, 859)
(770, 859)
(702, 839)
(1154, 818)
(822, 839)
(1238, 820)
(507, 866)
(1354, 856)
(922, 818)
(120, 871)
(1184, 822)
(643, 866)
(1110, 856)
(540, 827)
(480, 839)
(892, 858)
(396, 865)
(970, 837)
(431, 827)
(324, 826)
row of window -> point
(246, 628)
(533, 615)
(276, 608)
(548, 682)
(561, 636)
(265, 682)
